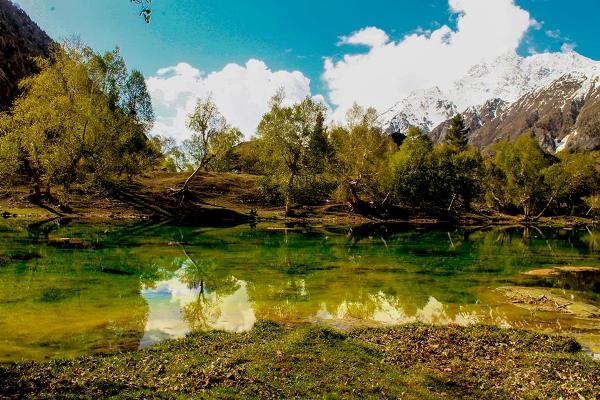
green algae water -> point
(70, 288)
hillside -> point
(20, 40)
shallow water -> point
(69, 289)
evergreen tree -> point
(457, 133)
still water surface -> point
(69, 289)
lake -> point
(70, 288)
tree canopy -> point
(82, 118)
(293, 142)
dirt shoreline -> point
(232, 198)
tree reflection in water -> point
(188, 302)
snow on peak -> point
(507, 78)
(423, 108)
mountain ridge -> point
(545, 94)
(21, 40)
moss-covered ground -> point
(272, 361)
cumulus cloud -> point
(241, 92)
(369, 36)
(391, 70)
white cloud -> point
(390, 70)
(369, 36)
(535, 24)
(554, 34)
(568, 47)
(241, 92)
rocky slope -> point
(555, 96)
(20, 40)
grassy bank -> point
(270, 361)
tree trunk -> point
(545, 208)
(526, 210)
(354, 200)
(37, 193)
(190, 178)
(452, 202)
(288, 196)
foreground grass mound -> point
(271, 361)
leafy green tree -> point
(457, 176)
(173, 159)
(289, 139)
(412, 170)
(361, 149)
(211, 141)
(221, 146)
(515, 177)
(319, 146)
(68, 126)
(206, 122)
(575, 176)
(212, 137)
(457, 133)
(136, 101)
(593, 202)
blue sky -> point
(287, 36)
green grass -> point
(271, 361)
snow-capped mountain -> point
(424, 109)
(510, 76)
(510, 88)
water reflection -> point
(134, 286)
(177, 307)
(388, 310)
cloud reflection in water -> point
(176, 308)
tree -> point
(515, 178)
(456, 176)
(361, 149)
(174, 159)
(136, 101)
(573, 177)
(412, 171)
(221, 146)
(290, 141)
(206, 122)
(457, 133)
(593, 202)
(68, 126)
(212, 138)
(319, 146)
